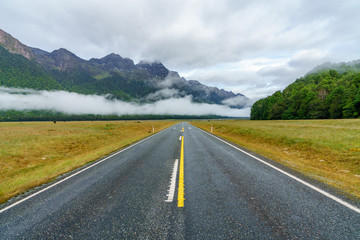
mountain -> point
(328, 91)
(113, 62)
(15, 46)
(111, 75)
(155, 68)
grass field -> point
(32, 153)
(327, 150)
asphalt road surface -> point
(134, 195)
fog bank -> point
(74, 103)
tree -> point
(336, 102)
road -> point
(228, 195)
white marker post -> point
(153, 129)
(211, 128)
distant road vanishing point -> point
(141, 192)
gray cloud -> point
(307, 58)
(74, 103)
(260, 77)
(181, 33)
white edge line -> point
(173, 182)
(336, 199)
(76, 173)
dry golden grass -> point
(326, 150)
(32, 153)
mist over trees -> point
(327, 94)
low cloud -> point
(237, 101)
(163, 94)
(74, 103)
(171, 79)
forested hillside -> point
(17, 71)
(322, 95)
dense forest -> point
(322, 95)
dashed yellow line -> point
(181, 176)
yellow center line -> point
(181, 176)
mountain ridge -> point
(115, 75)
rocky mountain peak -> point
(155, 68)
(60, 59)
(112, 57)
(114, 62)
(64, 53)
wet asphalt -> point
(228, 195)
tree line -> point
(42, 115)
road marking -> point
(171, 191)
(181, 176)
(329, 195)
(76, 173)
(180, 138)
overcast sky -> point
(251, 47)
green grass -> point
(33, 153)
(326, 150)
